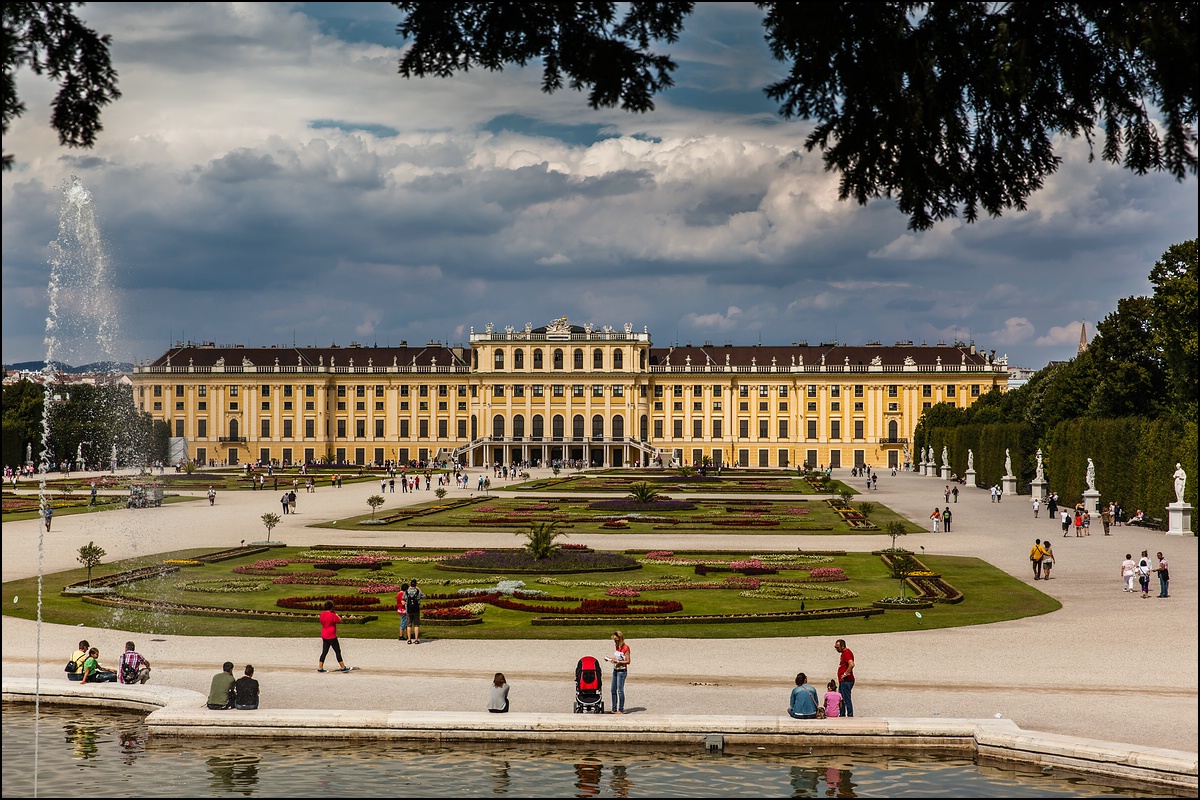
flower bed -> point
(161, 607)
(913, 603)
(780, 616)
(317, 603)
(226, 586)
(521, 562)
(625, 504)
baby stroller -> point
(589, 683)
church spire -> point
(1083, 340)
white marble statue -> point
(970, 460)
(1039, 475)
(1091, 476)
(1180, 481)
(945, 456)
(1008, 473)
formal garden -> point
(546, 589)
(687, 480)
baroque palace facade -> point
(559, 392)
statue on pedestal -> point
(1180, 482)
(1090, 478)
(945, 456)
(1008, 473)
(1038, 474)
(970, 460)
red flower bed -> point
(447, 613)
(314, 603)
(745, 523)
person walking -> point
(845, 675)
(1106, 519)
(212, 496)
(1066, 521)
(1037, 504)
(1047, 561)
(620, 661)
(803, 702)
(946, 493)
(1036, 555)
(936, 516)
(954, 492)
(291, 498)
(946, 518)
(1144, 574)
(1052, 506)
(47, 515)
(1128, 572)
(283, 500)
(1164, 576)
(329, 638)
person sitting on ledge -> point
(77, 658)
(220, 692)
(803, 703)
(245, 691)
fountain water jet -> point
(80, 323)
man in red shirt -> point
(845, 675)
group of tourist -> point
(1042, 557)
(836, 702)
(1140, 570)
(942, 519)
(85, 666)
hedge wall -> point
(988, 443)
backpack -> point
(74, 666)
(414, 600)
(129, 673)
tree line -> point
(84, 419)
(1128, 402)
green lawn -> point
(672, 482)
(576, 516)
(991, 596)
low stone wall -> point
(181, 712)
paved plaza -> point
(1108, 665)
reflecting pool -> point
(106, 753)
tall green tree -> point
(22, 421)
(950, 107)
(1175, 313)
(1129, 377)
(49, 39)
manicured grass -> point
(103, 503)
(670, 481)
(802, 515)
(991, 596)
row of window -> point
(557, 390)
(557, 359)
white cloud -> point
(820, 301)
(1062, 334)
(716, 321)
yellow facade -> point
(561, 392)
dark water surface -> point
(85, 752)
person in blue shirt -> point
(803, 703)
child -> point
(833, 701)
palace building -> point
(559, 392)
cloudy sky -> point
(267, 178)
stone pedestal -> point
(1091, 500)
(1008, 485)
(1179, 519)
(971, 478)
(945, 472)
(1038, 488)
(925, 469)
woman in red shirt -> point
(329, 620)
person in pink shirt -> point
(833, 701)
(329, 620)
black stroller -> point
(589, 685)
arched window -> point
(577, 427)
(499, 358)
(597, 427)
(518, 425)
(618, 359)
(644, 428)
(558, 359)
(577, 359)
(233, 429)
(537, 358)
(518, 359)
(618, 427)
(539, 427)
(556, 426)
(498, 426)
(597, 359)
(893, 430)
